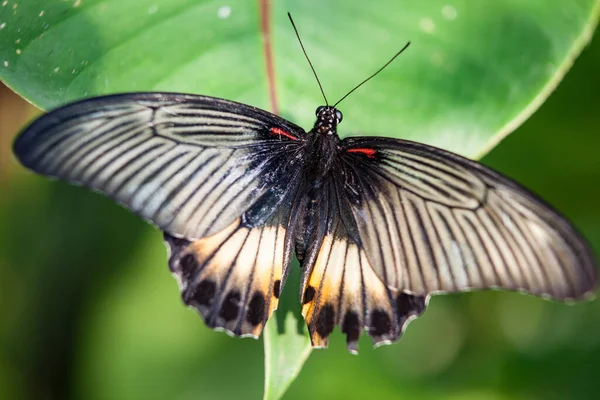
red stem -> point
(265, 30)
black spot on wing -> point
(408, 306)
(309, 295)
(204, 293)
(231, 306)
(325, 320)
(188, 266)
(256, 309)
(380, 324)
(176, 247)
(407, 303)
(351, 326)
(277, 288)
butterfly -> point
(378, 224)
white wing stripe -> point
(173, 181)
(210, 199)
(509, 220)
(183, 112)
(501, 254)
(433, 165)
(73, 151)
(55, 139)
(112, 152)
(451, 256)
(142, 184)
(468, 224)
(436, 175)
(178, 207)
(144, 158)
(418, 277)
(87, 158)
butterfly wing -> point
(189, 164)
(339, 286)
(397, 221)
(431, 221)
(217, 176)
(234, 277)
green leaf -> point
(474, 72)
(287, 345)
(284, 356)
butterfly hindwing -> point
(340, 287)
(431, 221)
(234, 278)
(189, 164)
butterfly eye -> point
(339, 116)
(319, 109)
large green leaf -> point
(475, 69)
(474, 72)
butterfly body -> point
(379, 224)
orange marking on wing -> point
(281, 132)
(368, 152)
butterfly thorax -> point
(323, 145)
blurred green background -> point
(88, 308)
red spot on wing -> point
(368, 152)
(281, 132)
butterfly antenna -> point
(376, 72)
(308, 59)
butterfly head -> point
(328, 118)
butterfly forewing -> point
(189, 164)
(431, 221)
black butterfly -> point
(377, 223)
